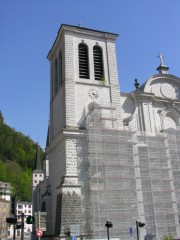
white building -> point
(26, 209)
(5, 190)
(112, 156)
(22, 208)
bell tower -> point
(83, 71)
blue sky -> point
(29, 28)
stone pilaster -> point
(70, 191)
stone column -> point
(70, 191)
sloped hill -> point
(17, 160)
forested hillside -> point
(17, 160)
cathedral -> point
(111, 157)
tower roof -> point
(79, 29)
(38, 167)
(83, 28)
(47, 140)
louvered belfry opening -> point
(98, 63)
(83, 61)
(55, 77)
(60, 67)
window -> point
(60, 67)
(98, 63)
(83, 61)
(55, 76)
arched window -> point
(83, 61)
(55, 76)
(169, 122)
(171, 119)
(60, 67)
(98, 63)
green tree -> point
(26, 185)
(17, 159)
(3, 172)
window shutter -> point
(60, 67)
(55, 77)
(83, 61)
(98, 63)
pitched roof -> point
(38, 166)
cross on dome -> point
(161, 57)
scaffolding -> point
(111, 174)
(129, 177)
(157, 185)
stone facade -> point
(4, 213)
(154, 106)
(5, 190)
(110, 153)
(69, 107)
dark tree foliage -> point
(17, 160)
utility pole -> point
(14, 229)
(108, 225)
(137, 229)
(13, 211)
(139, 224)
(22, 226)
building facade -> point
(110, 156)
(26, 209)
(5, 196)
(5, 190)
(23, 210)
(4, 213)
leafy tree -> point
(17, 160)
(26, 184)
(3, 172)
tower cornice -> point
(81, 31)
